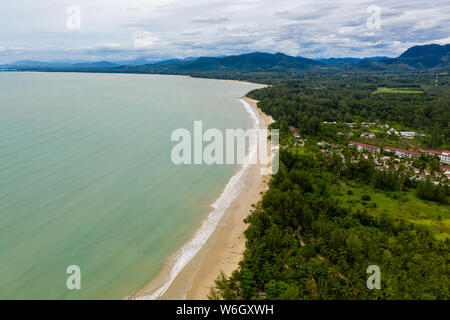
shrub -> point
(365, 198)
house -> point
(445, 169)
(369, 135)
(407, 134)
(366, 124)
(402, 152)
(362, 146)
(427, 173)
(392, 131)
(294, 132)
(416, 170)
(445, 156)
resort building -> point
(402, 152)
(434, 153)
(445, 156)
(408, 135)
(362, 146)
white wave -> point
(233, 188)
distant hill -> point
(417, 57)
(77, 65)
(258, 66)
(251, 62)
(427, 56)
(147, 60)
(100, 64)
(333, 61)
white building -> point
(369, 135)
(445, 156)
(364, 147)
(402, 152)
(407, 134)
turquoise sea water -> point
(86, 177)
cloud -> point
(211, 20)
(178, 28)
(144, 40)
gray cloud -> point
(211, 20)
(125, 29)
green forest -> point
(308, 240)
(302, 243)
(306, 104)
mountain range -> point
(415, 58)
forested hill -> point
(417, 57)
(269, 68)
(252, 62)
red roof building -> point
(434, 152)
(445, 156)
(294, 132)
(402, 152)
(363, 146)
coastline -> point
(224, 248)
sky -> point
(114, 30)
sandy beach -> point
(224, 249)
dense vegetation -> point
(303, 241)
(269, 68)
(306, 105)
(304, 244)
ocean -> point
(86, 178)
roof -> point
(434, 152)
(402, 150)
(364, 145)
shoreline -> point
(223, 249)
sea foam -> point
(233, 188)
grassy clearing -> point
(403, 205)
(396, 90)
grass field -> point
(403, 205)
(396, 90)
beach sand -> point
(224, 249)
